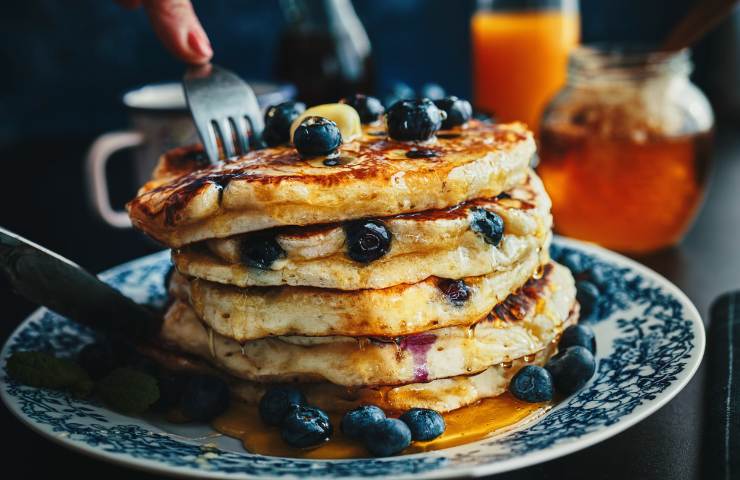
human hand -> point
(178, 28)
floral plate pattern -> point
(650, 341)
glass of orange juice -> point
(520, 55)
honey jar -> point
(625, 148)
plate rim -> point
(496, 467)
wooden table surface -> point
(667, 445)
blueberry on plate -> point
(369, 108)
(599, 275)
(587, 295)
(488, 224)
(358, 421)
(555, 252)
(305, 427)
(204, 397)
(578, 335)
(572, 260)
(277, 402)
(533, 384)
(97, 359)
(317, 136)
(260, 250)
(387, 437)
(278, 119)
(458, 111)
(367, 240)
(414, 119)
(171, 388)
(571, 369)
(144, 364)
(425, 424)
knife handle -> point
(721, 443)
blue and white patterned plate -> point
(650, 342)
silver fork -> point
(225, 111)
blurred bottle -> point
(520, 55)
(324, 50)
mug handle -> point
(100, 152)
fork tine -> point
(239, 124)
(208, 137)
(227, 137)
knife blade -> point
(49, 279)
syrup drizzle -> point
(488, 417)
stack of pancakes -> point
(266, 290)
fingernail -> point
(199, 42)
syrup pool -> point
(465, 425)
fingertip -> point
(200, 46)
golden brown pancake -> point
(523, 324)
(374, 178)
(442, 243)
(255, 312)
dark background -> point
(65, 65)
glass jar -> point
(520, 55)
(625, 148)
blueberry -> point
(369, 108)
(367, 240)
(317, 136)
(456, 291)
(204, 397)
(587, 295)
(425, 424)
(171, 388)
(260, 250)
(305, 427)
(432, 91)
(572, 260)
(578, 335)
(387, 437)
(144, 364)
(555, 252)
(458, 111)
(485, 117)
(533, 384)
(599, 275)
(98, 359)
(488, 224)
(398, 91)
(571, 369)
(277, 402)
(358, 421)
(278, 119)
(414, 119)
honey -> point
(625, 148)
(468, 424)
(626, 195)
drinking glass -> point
(520, 55)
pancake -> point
(438, 243)
(443, 395)
(255, 312)
(186, 201)
(523, 324)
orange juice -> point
(520, 60)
